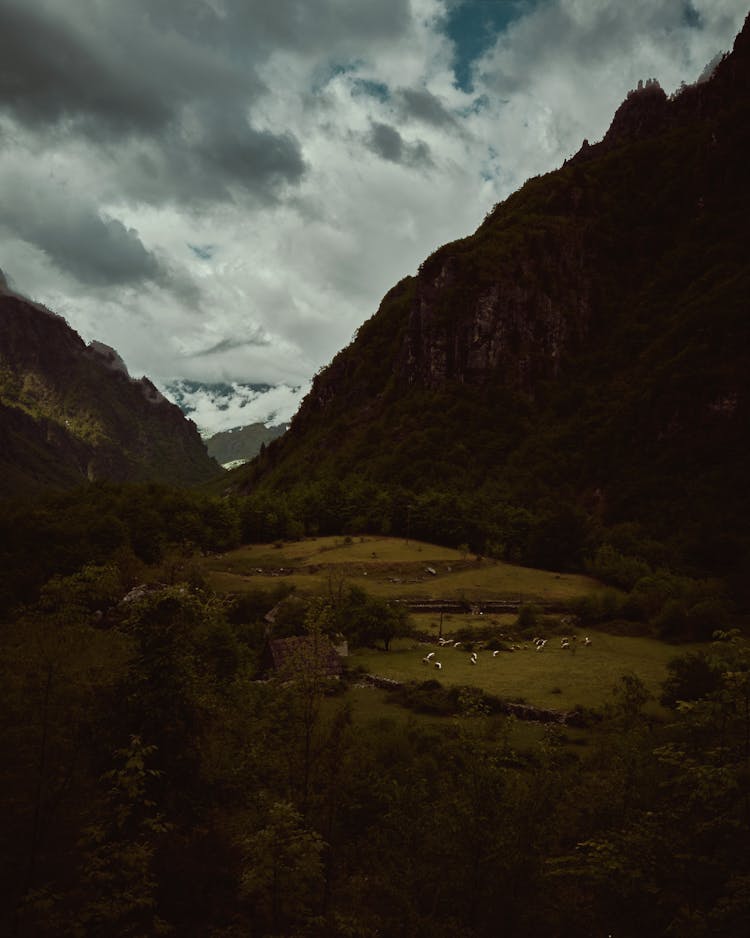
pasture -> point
(391, 568)
(555, 678)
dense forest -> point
(152, 785)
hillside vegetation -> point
(574, 373)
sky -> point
(223, 190)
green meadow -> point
(554, 678)
(391, 568)
(397, 569)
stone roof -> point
(294, 653)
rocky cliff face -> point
(523, 295)
(70, 413)
(518, 320)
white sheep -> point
(438, 665)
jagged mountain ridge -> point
(588, 344)
(70, 413)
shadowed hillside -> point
(578, 364)
(70, 413)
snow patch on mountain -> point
(218, 406)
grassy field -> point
(388, 567)
(555, 678)
(393, 568)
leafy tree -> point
(366, 619)
(282, 870)
(118, 881)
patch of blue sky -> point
(490, 169)
(373, 89)
(691, 16)
(330, 70)
(479, 104)
(473, 26)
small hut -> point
(299, 654)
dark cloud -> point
(253, 158)
(204, 252)
(258, 339)
(421, 105)
(184, 106)
(314, 25)
(388, 144)
(49, 74)
(95, 249)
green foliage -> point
(366, 619)
(117, 881)
(282, 868)
(617, 569)
(691, 676)
(106, 524)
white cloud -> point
(215, 409)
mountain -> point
(578, 365)
(70, 412)
(242, 443)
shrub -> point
(691, 676)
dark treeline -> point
(151, 786)
(136, 525)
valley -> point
(464, 651)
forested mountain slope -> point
(70, 413)
(242, 442)
(580, 363)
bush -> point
(691, 676)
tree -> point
(365, 619)
(282, 869)
(118, 882)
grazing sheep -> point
(495, 654)
(438, 665)
(430, 656)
